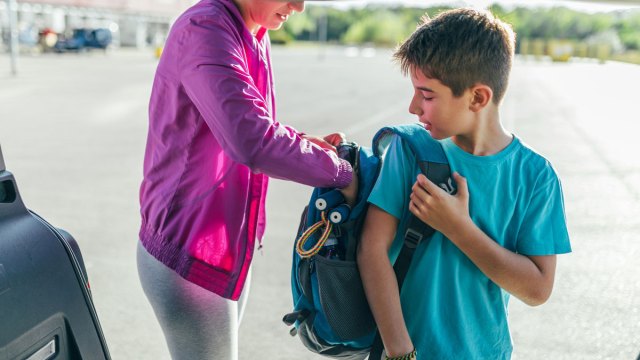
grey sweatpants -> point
(197, 324)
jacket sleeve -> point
(215, 76)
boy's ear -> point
(481, 96)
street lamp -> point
(322, 32)
(12, 10)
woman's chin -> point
(273, 26)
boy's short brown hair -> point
(461, 48)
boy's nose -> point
(414, 108)
(297, 6)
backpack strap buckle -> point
(412, 238)
(299, 315)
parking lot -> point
(73, 127)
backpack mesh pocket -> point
(343, 299)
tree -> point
(381, 28)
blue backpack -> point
(331, 314)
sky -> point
(586, 6)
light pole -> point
(322, 32)
(12, 11)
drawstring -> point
(328, 226)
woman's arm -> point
(215, 75)
(379, 280)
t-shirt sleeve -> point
(393, 186)
(544, 226)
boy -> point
(498, 235)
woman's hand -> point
(320, 142)
(330, 142)
(336, 138)
(326, 143)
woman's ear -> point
(481, 96)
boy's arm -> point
(529, 278)
(379, 280)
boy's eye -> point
(427, 95)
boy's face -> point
(443, 114)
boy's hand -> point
(439, 209)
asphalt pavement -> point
(73, 127)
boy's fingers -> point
(415, 209)
(415, 198)
(412, 208)
(418, 210)
(428, 185)
(461, 182)
(419, 192)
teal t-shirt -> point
(452, 310)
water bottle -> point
(332, 249)
(348, 151)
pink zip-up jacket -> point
(213, 142)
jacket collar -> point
(235, 12)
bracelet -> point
(410, 356)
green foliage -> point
(299, 24)
(631, 40)
(629, 30)
(382, 28)
(280, 37)
(389, 25)
(298, 27)
(338, 23)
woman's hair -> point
(461, 48)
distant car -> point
(85, 39)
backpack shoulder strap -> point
(428, 152)
(434, 165)
(423, 145)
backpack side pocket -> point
(343, 299)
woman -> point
(213, 142)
